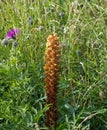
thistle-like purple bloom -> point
(13, 33)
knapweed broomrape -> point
(51, 68)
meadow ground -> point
(82, 29)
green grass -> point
(82, 28)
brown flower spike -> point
(51, 68)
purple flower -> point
(13, 33)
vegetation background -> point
(82, 28)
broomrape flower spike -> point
(51, 69)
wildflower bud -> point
(41, 28)
(4, 42)
(30, 21)
(52, 10)
(66, 30)
(61, 14)
(14, 43)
